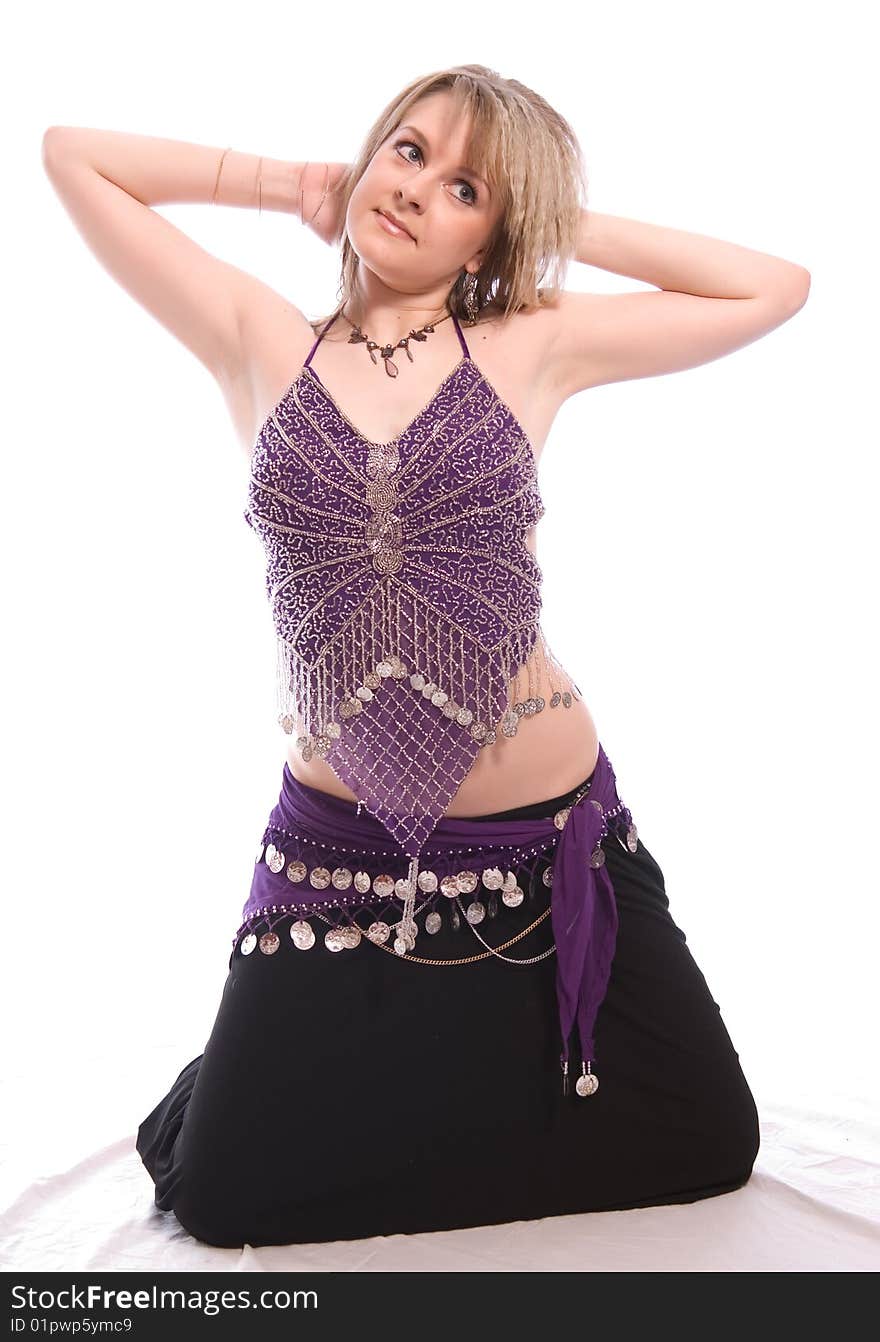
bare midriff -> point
(552, 752)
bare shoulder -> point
(275, 337)
(520, 337)
(517, 355)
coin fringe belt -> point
(301, 861)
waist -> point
(550, 759)
(320, 850)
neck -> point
(386, 316)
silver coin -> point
(510, 881)
(378, 932)
(384, 885)
(433, 922)
(449, 886)
(270, 852)
(296, 871)
(475, 912)
(276, 862)
(587, 1084)
(302, 935)
(513, 898)
(319, 878)
(493, 879)
(401, 887)
(400, 946)
(597, 857)
(362, 882)
(428, 881)
(632, 838)
(341, 878)
(333, 940)
(467, 881)
(597, 804)
(561, 816)
(547, 876)
(269, 943)
(248, 943)
(351, 936)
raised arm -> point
(712, 297)
(108, 180)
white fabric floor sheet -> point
(811, 1205)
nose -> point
(406, 202)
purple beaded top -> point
(403, 595)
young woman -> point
(446, 804)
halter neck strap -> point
(467, 353)
(320, 338)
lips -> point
(395, 220)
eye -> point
(410, 144)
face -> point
(420, 175)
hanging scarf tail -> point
(585, 922)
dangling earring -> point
(470, 298)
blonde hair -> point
(533, 163)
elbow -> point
(55, 138)
(49, 147)
(798, 287)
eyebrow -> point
(414, 130)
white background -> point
(710, 580)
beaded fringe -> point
(439, 660)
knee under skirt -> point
(344, 1096)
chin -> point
(366, 239)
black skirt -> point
(343, 1096)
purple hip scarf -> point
(322, 857)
